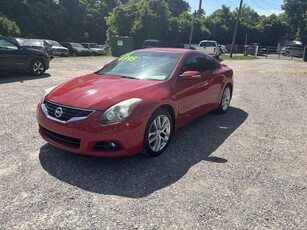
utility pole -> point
(192, 29)
(199, 8)
(236, 29)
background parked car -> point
(210, 47)
(58, 49)
(76, 49)
(294, 51)
(14, 57)
(95, 48)
(151, 43)
(222, 49)
(38, 44)
(20, 40)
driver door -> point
(194, 96)
(11, 56)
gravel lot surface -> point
(245, 169)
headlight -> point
(119, 112)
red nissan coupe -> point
(135, 103)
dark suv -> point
(76, 49)
(14, 57)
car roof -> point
(207, 41)
(170, 50)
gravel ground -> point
(245, 169)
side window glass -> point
(194, 62)
(46, 44)
(5, 45)
(210, 63)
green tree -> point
(270, 29)
(142, 19)
(177, 7)
(220, 24)
(8, 27)
(151, 22)
(296, 12)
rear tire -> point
(157, 133)
(37, 67)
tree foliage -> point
(8, 27)
(296, 15)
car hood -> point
(97, 49)
(59, 47)
(99, 92)
(81, 49)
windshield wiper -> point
(128, 77)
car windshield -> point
(31, 42)
(53, 43)
(77, 45)
(148, 44)
(143, 65)
(93, 45)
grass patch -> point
(237, 57)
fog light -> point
(106, 146)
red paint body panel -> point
(188, 99)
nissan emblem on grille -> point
(58, 112)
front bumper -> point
(64, 53)
(81, 137)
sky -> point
(262, 7)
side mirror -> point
(190, 75)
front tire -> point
(157, 133)
(225, 100)
(37, 67)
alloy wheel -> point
(159, 133)
(226, 98)
(38, 67)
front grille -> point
(73, 142)
(64, 113)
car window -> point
(5, 45)
(210, 63)
(203, 44)
(46, 44)
(32, 43)
(76, 45)
(198, 62)
(93, 45)
(53, 43)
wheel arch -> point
(169, 109)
